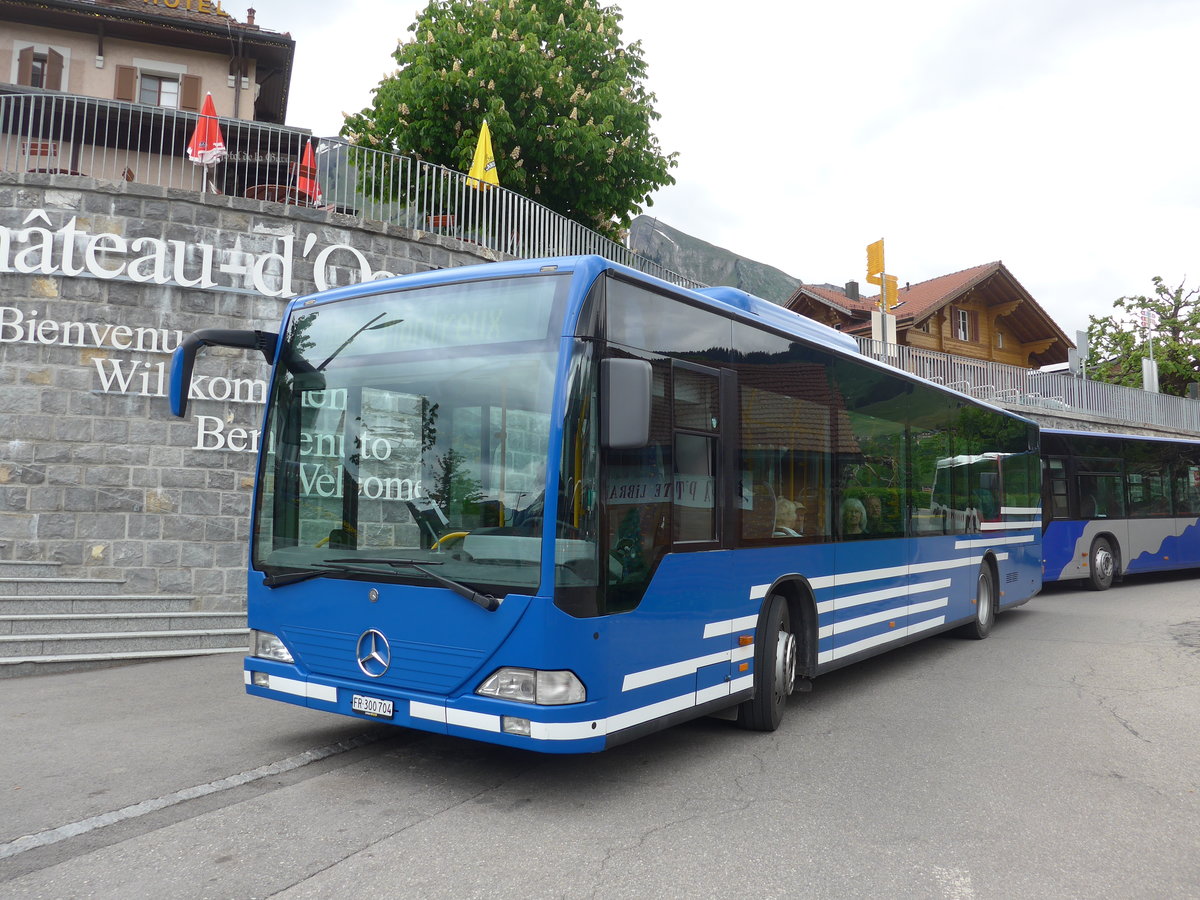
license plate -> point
(372, 706)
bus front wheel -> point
(774, 669)
(985, 605)
(1102, 565)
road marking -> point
(74, 829)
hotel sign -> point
(71, 251)
(200, 6)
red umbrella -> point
(306, 176)
(207, 146)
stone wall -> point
(98, 283)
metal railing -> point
(50, 132)
(1015, 387)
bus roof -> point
(725, 299)
(1070, 432)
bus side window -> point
(785, 453)
(1055, 476)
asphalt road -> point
(1059, 758)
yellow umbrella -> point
(483, 167)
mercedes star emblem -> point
(374, 654)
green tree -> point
(564, 99)
(1117, 342)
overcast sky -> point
(1059, 136)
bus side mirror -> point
(625, 403)
(183, 360)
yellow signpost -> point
(876, 275)
(883, 323)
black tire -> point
(985, 606)
(774, 668)
(1102, 565)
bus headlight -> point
(553, 688)
(265, 645)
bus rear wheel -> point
(774, 669)
(1102, 565)
(985, 605)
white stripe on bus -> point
(828, 581)
(977, 543)
(882, 616)
(730, 626)
(297, 688)
(659, 674)
(822, 582)
(875, 641)
(828, 606)
(1013, 525)
(1020, 510)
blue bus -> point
(557, 504)
(1118, 504)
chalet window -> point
(170, 91)
(966, 325)
(40, 69)
(159, 90)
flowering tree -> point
(565, 102)
(1117, 343)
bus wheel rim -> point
(785, 663)
(983, 598)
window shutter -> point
(973, 325)
(25, 66)
(54, 70)
(126, 83)
(189, 93)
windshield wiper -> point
(487, 601)
(319, 569)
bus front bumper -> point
(548, 729)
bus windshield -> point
(410, 429)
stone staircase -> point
(54, 623)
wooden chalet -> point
(981, 313)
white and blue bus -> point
(557, 504)
(1118, 504)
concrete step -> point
(12, 667)
(71, 623)
(81, 604)
(16, 568)
(33, 587)
(110, 642)
(55, 623)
